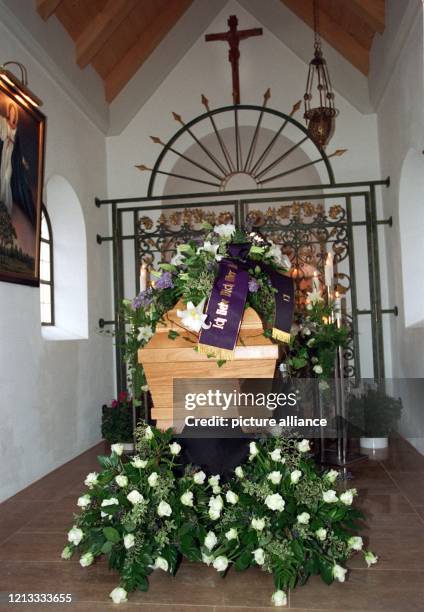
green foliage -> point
(374, 413)
(146, 514)
(117, 421)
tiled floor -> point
(33, 525)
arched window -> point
(46, 270)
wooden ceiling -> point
(347, 25)
(114, 36)
(117, 36)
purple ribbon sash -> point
(225, 310)
(228, 297)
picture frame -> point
(22, 158)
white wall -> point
(51, 392)
(396, 87)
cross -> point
(233, 38)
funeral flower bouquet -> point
(215, 280)
(277, 512)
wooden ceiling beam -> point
(370, 11)
(342, 41)
(148, 40)
(100, 28)
(46, 8)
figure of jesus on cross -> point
(233, 38)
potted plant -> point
(117, 421)
(374, 414)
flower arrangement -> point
(277, 512)
(190, 276)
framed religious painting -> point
(22, 146)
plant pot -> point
(375, 448)
(374, 443)
(128, 447)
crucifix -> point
(233, 38)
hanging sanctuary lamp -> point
(319, 119)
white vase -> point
(374, 443)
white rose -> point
(216, 502)
(239, 472)
(164, 509)
(118, 595)
(275, 502)
(370, 558)
(259, 556)
(208, 559)
(329, 496)
(321, 534)
(339, 572)
(276, 454)
(231, 534)
(347, 497)
(225, 230)
(86, 559)
(214, 480)
(112, 501)
(214, 514)
(303, 518)
(279, 599)
(275, 477)
(295, 476)
(175, 448)
(187, 498)
(199, 477)
(121, 480)
(129, 540)
(75, 535)
(118, 449)
(144, 388)
(161, 563)
(135, 497)
(66, 552)
(139, 463)
(331, 476)
(258, 523)
(304, 446)
(220, 563)
(253, 450)
(83, 501)
(231, 497)
(355, 543)
(91, 480)
(317, 369)
(153, 479)
(148, 433)
(210, 540)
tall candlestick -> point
(328, 270)
(315, 283)
(143, 277)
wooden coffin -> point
(164, 359)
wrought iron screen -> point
(306, 225)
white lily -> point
(144, 333)
(193, 318)
(208, 247)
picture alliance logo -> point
(237, 399)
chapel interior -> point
(151, 130)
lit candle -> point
(315, 283)
(328, 270)
(143, 277)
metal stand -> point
(340, 456)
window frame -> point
(49, 242)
